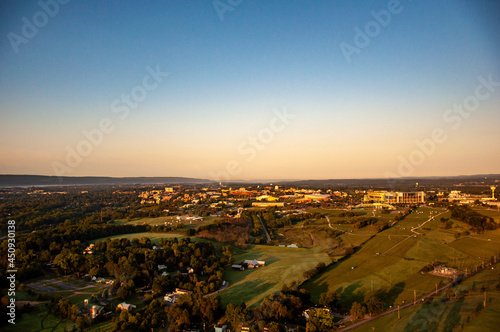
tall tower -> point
(493, 191)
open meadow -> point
(464, 309)
(283, 266)
(388, 265)
(154, 237)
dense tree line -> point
(405, 213)
(311, 273)
(40, 211)
(350, 214)
(35, 250)
(287, 306)
(194, 310)
(135, 264)
(476, 220)
(229, 230)
(364, 221)
(146, 319)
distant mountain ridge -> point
(484, 179)
(11, 180)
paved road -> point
(418, 301)
(413, 231)
(394, 310)
(430, 218)
(219, 290)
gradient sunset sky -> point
(229, 78)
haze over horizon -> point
(263, 90)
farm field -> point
(283, 266)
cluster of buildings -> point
(457, 196)
(443, 271)
(249, 264)
(156, 196)
(264, 197)
(93, 310)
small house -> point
(126, 306)
(220, 328)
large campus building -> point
(394, 197)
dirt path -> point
(425, 222)
(413, 231)
(265, 229)
(330, 225)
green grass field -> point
(464, 313)
(154, 237)
(495, 214)
(388, 265)
(283, 266)
(39, 320)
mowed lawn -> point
(283, 266)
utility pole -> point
(436, 289)
(485, 299)
(398, 313)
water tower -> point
(493, 191)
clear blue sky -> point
(228, 78)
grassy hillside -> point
(388, 265)
(463, 312)
(283, 265)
